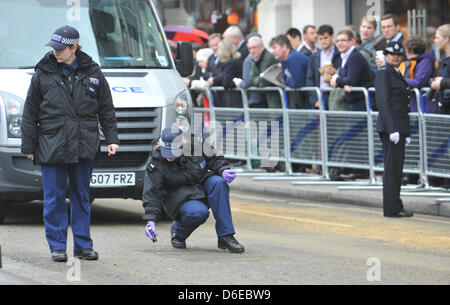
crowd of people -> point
(319, 57)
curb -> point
(331, 194)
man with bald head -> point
(263, 59)
(234, 35)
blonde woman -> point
(230, 68)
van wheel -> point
(3, 209)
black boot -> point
(230, 243)
(176, 242)
(86, 254)
(59, 256)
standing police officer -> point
(67, 99)
(392, 98)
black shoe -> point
(176, 242)
(404, 213)
(86, 254)
(230, 243)
(59, 256)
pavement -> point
(356, 192)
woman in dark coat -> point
(67, 99)
(185, 185)
(230, 67)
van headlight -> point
(14, 110)
(182, 103)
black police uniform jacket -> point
(168, 185)
(61, 117)
(392, 98)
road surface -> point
(286, 242)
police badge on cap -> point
(393, 48)
(63, 37)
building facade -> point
(276, 16)
(273, 17)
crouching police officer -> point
(392, 98)
(68, 97)
(186, 186)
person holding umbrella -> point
(393, 126)
(186, 185)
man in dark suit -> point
(306, 47)
(354, 71)
(213, 63)
(390, 29)
(234, 35)
(392, 98)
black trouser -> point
(394, 158)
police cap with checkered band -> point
(63, 37)
(171, 142)
(393, 47)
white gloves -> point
(394, 137)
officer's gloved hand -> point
(408, 140)
(394, 137)
(229, 175)
(150, 230)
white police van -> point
(126, 39)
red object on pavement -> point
(206, 117)
(185, 33)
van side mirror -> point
(185, 59)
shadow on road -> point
(30, 213)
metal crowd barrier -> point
(350, 137)
(302, 136)
(224, 121)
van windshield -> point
(115, 33)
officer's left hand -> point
(112, 149)
(229, 175)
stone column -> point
(274, 18)
(318, 12)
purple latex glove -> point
(150, 231)
(229, 175)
